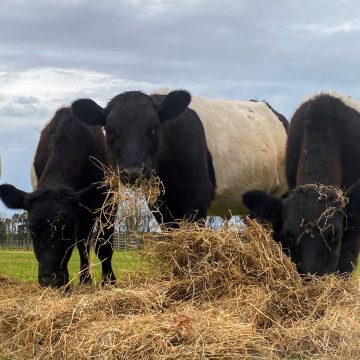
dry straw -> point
(226, 294)
(130, 198)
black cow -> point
(160, 132)
(318, 222)
(61, 209)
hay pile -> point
(212, 294)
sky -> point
(53, 52)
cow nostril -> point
(130, 175)
(54, 279)
(46, 280)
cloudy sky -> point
(55, 51)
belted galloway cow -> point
(318, 223)
(206, 152)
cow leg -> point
(169, 214)
(164, 216)
(350, 247)
(83, 245)
(104, 251)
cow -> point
(62, 208)
(318, 222)
(206, 152)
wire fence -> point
(15, 234)
(121, 241)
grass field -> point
(22, 265)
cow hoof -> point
(85, 279)
(108, 280)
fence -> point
(121, 241)
(15, 244)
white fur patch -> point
(34, 179)
(247, 143)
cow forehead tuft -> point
(129, 98)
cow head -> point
(133, 121)
(53, 219)
(309, 223)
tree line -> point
(15, 233)
(14, 228)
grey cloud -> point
(280, 51)
(226, 48)
(18, 149)
(25, 100)
(201, 43)
(16, 164)
(22, 107)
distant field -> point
(22, 265)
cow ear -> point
(262, 205)
(89, 112)
(174, 104)
(14, 198)
(353, 207)
(90, 197)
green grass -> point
(22, 265)
(357, 270)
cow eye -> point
(152, 131)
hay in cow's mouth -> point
(210, 294)
(130, 197)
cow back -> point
(323, 141)
(65, 151)
(247, 144)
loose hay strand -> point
(338, 204)
(131, 198)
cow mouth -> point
(305, 272)
(133, 175)
(55, 279)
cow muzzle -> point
(55, 279)
(131, 174)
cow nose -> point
(130, 175)
(54, 279)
